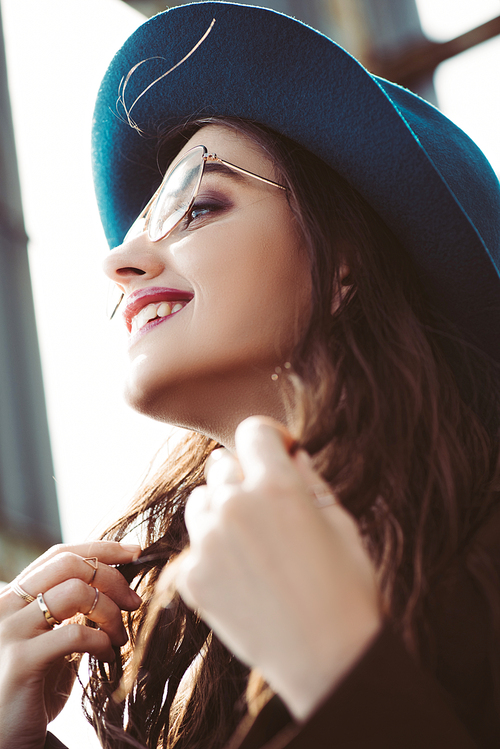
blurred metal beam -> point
(423, 58)
(365, 26)
(147, 7)
(28, 503)
(379, 30)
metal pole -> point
(28, 504)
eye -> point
(203, 209)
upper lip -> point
(141, 298)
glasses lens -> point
(176, 194)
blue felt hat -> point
(423, 175)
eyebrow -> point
(217, 167)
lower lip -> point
(150, 325)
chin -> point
(142, 401)
(172, 402)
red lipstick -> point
(141, 298)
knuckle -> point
(78, 637)
(67, 562)
(74, 589)
(57, 548)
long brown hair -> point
(401, 417)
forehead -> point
(233, 146)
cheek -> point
(257, 287)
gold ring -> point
(51, 620)
(96, 598)
(21, 592)
(92, 562)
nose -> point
(137, 257)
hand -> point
(288, 586)
(35, 676)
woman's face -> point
(239, 269)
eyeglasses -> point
(175, 197)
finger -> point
(108, 552)
(63, 602)
(223, 468)
(63, 563)
(67, 565)
(42, 651)
(197, 514)
(289, 441)
(263, 448)
(182, 573)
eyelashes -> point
(204, 209)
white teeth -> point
(163, 309)
(146, 314)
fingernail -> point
(134, 549)
(136, 598)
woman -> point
(320, 299)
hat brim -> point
(423, 175)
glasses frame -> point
(204, 157)
(145, 214)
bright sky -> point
(58, 51)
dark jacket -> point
(389, 702)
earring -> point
(279, 370)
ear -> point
(343, 288)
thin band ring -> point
(21, 592)
(322, 496)
(96, 598)
(51, 620)
(92, 562)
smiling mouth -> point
(155, 312)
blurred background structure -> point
(386, 35)
(29, 514)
